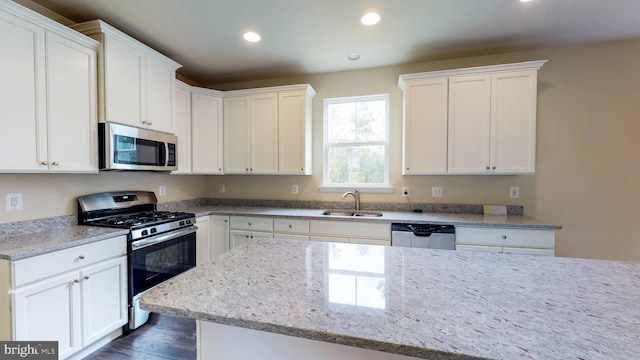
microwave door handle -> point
(166, 153)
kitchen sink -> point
(367, 213)
(352, 213)
(338, 213)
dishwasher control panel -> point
(430, 236)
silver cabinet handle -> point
(86, 277)
(487, 168)
(44, 163)
(81, 257)
(56, 163)
(76, 281)
(290, 226)
(504, 237)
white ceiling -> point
(312, 36)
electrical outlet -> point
(14, 201)
(294, 189)
(405, 191)
(222, 188)
(514, 192)
(162, 190)
(436, 191)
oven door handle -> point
(163, 237)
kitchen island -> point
(286, 299)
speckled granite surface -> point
(424, 303)
(388, 216)
(345, 204)
(16, 247)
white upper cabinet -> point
(294, 131)
(137, 82)
(236, 135)
(513, 122)
(268, 131)
(206, 131)
(469, 123)
(251, 134)
(425, 126)
(48, 95)
(183, 127)
(490, 117)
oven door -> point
(158, 258)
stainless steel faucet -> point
(356, 197)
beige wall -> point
(587, 158)
(588, 147)
(47, 195)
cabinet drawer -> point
(251, 223)
(47, 265)
(291, 226)
(363, 230)
(505, 237)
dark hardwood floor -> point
(163, 337)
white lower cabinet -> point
(212, 237)
(506, 241)
(50, 310)
(243, 228)
(219, 235)
(291, 229)
(81, 303)
(350, 231)
(203, 240)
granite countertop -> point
(20, 246)
(510, 221)
(417, 302)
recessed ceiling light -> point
(250, 36)
(525, 0)
(353, 56)
(371, 18)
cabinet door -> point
(22, 96)
(104, 298)
(207, 134)
(50, 310)
(469, 124)
(72, 112)
(425, 127)
(264, 134)
(294, 133)
(236, 135)
(479, 248)
(513, 122)
(238, 237)
(183, 127)
(203, 240)
(219, 235)
(528, 251)
(124, 83)
(160, 84)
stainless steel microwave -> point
(129, 148)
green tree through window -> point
(356, 141)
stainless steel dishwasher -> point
(430, 236)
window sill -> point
(362, 189)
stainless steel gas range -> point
(161, 244)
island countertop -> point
(417, 302)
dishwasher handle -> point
(422, 233)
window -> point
(356, 142)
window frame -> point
(333, 187)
